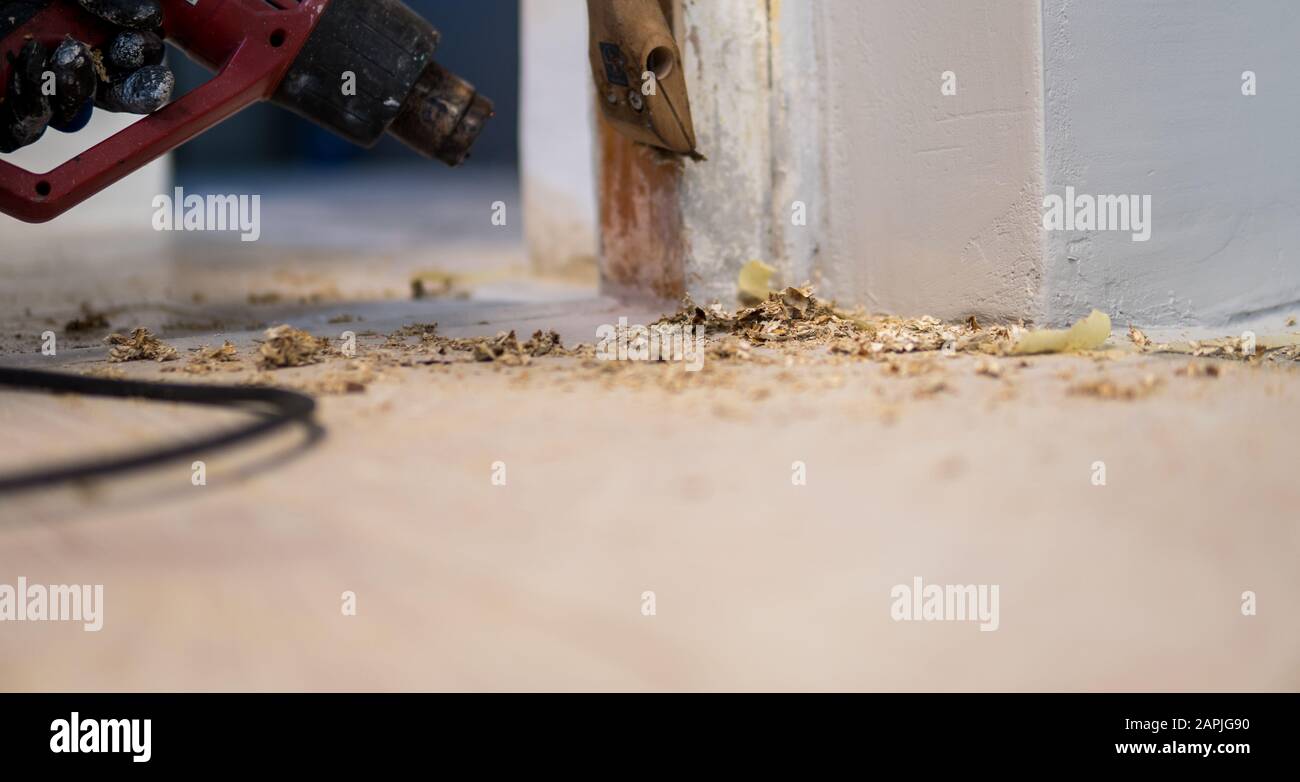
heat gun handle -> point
(252, 43)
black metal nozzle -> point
(442, 117)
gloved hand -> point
(127, 76)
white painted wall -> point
(932, 201)
(1145, 97)
(557, 146)
(798, 173)
(933, 204)
(726, 201)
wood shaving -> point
(505, 348)
(426, 332)
(1282, 354)
(795, 315)
(286, 346)
(1136, 336)
(729, 348)
(543, 343)
(1224, 347)
(1104, 388)
(140, 346)
(208, 360)
(1274, 348)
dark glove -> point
(127, 76)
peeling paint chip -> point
(755, 282)
(1088, 334)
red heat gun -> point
(300, 54)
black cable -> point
(279, 408)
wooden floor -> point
(632, 479)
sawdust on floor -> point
(792, 330)
(286, 346)
(141, 345)
(206, 360)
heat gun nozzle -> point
(442, 116)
